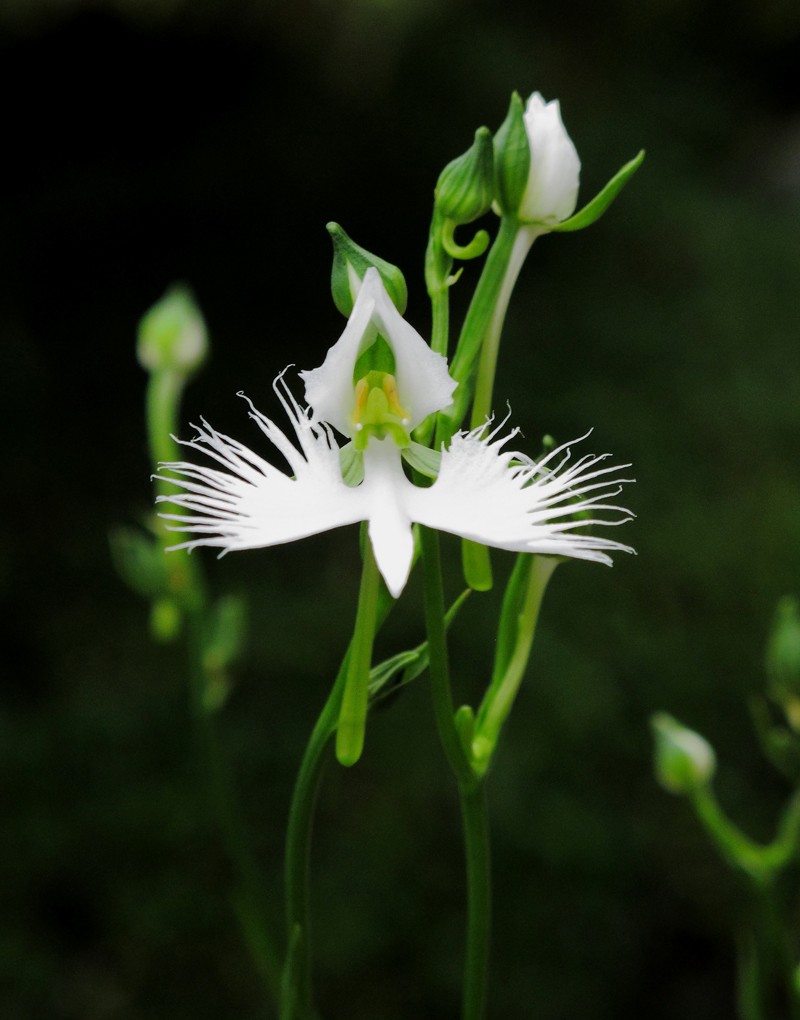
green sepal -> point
(512, 159)
(351, 464)
(172, 334)
(593, 210)
(350, 263)
(140, 561)
(423, 459)
(465, 189)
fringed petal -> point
(500, 498)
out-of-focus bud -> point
(783, 659)
(684, 761)
(350, 263)
(173, 334)
(465, 188)
(551, 190)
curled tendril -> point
(476, 247)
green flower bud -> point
(684, 761)
(350, 263)
(512, 159)
(465, 188)
(173, 334)
(783, 658)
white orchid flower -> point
(551, 192)
(483, 491)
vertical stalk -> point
(518, 240)
(297, 997)
(471, 790)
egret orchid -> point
(376, 384)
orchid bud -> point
(465, 188)
(173, 334)
(350, 263)
(551, 191)
(783, 658)
(684, 761)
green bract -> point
(512, 159)
(593, 210)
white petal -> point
(504, 500)
(388, 491)
(251, 504)
(551, 193)
(330, 388)
(423, 382)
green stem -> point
(438, 659)
(471, 789)
(164, 390)
(484, 314)
(475, 820)
(297, 996)
(518, 240)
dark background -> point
(145, 143)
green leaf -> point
(598, 205)
(411, 663)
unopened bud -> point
(173, 334)
(684, 761)
(465, 188)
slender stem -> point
(482, 315)
(437, 651)
(440, 320)
(297, 997)
(520, 243)
(475, 820)
(471, 790)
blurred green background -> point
(210, 142)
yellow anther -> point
(362, 393)
(390, 389)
